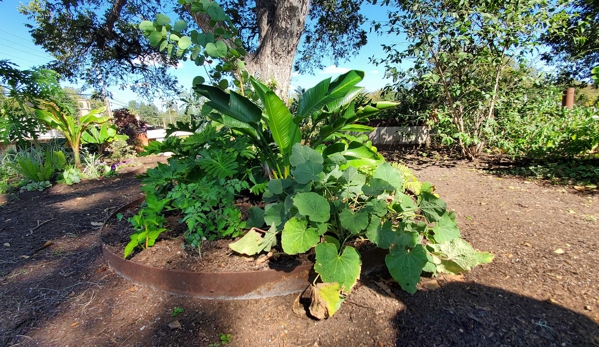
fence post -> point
(568, 98)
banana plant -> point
(71, 127)
(102, 135)
(329, 107)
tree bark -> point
(280, 26)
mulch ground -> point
(542, 288)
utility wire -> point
(20, 58)
(18, 43)
(20, 50)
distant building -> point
(84, 106)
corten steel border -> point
(205, 285)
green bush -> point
(326, 204)
(546, 130)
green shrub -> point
(327, 204)
(36, 171)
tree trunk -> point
(281, 24)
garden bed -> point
(530, 295)
(216, 272)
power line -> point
(21, 37)
(20, 58)
(20, 50)
(18, 43)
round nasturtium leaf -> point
(211, 50)
(146, 25)
(312, 205)
(406, 266)
(297, 237)
(223, 84)
(221, 48)
(332, 267)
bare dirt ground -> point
(542, 289)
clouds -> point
(333, 70)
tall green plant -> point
(329, 108)
(102, 136)
(71, 127)
(323, 206)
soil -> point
(541, 289)
(171, 251)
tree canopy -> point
(574, 40)
(100, 43)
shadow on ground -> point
(470, 314)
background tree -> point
(23, 91)
(574, 40)
(101, 44)
(461, 51)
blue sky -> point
(17, 46)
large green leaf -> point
(301, 154)
(349, 96)
(387, 173)
(249, 244)
(306, 172)
(458, 256)
(162, 19)
(233, 104)
(297, 237)
(274, 214)
(352, 182)
(312, 205)
(376, 187)
(406, 266)
(446, 228)
(284, 131)
(381, 234)
(432, 207)
(354, 222)
(326, 92)
(332, 267)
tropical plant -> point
(323, 206)
(38, 165)
(328, 108)
(148, 224)
(71, 127)
(204, 175)
(208, 209)
(101, 137)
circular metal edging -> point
(207, 285)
